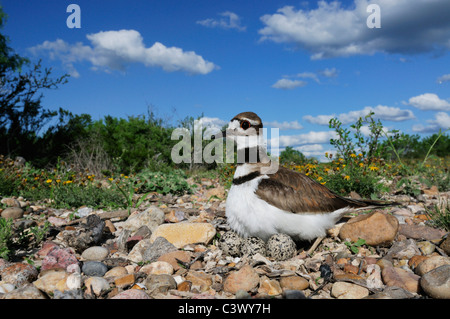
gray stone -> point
(436, 283)
(160, 284)
(94, 268)
(158, 248)
(152, 217)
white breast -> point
(248, 215)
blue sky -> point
(294, 63)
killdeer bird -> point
(262, 202)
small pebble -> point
(97, 253)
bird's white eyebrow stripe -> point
(252, 122)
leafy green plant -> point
(5, 236)
(354, 247)
(440, 215)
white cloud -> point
(382, 112)
(429, 102)
(334, 30)
(443, 78)
(230, 20)
(321, 137)
(329, 73)
(115, 50)
(213, 125)
(293, 125)
(441, 121)
(287, 84)
(308, 75)
(319, 119)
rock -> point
(68, 294)
(393, 276)
(270, 287)
(94, 268)
(46, 248)
(431, 263)
(392, 293)
(184, 233)
(374, 280)
(11, 202)
(29, 291)
(131, 294)
(215, 192)
(152, 217)
(96, 285)
(242, 294)
(73, 281)
(253, 245)
(124, 281)
(12, 212)
(426, 247)
(156, 249)
(375, 228)
(83, 212)
(201, 279)
(175, 216)
(231, 243)
(446, 245)
(281, 247)
(431, 191)
(59, 258)
(51, 281)
(436, 282)
(158, 268)
(245, 279)
(421, 232)
(404, 249)
(18, 274)
(57, 221)
(293, 294)
(97, 253)
(87, 235)
(173, 257)
(136, 253)
(116, 272)
(414, 261)
(345, 290)
(5, 288)
(160, 284)
(293, 283)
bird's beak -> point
(219, 135)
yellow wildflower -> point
(352, 155)
(58, 180)
(373, 168)
(361, 164)
(48, 181)
(346, 177)
(110, 179)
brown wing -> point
(294, 192)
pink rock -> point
(131, 294)
(58, 258)
(46, 247)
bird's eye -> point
(245, 125)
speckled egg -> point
(231, 243)
(253, 245)
(281, 247)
